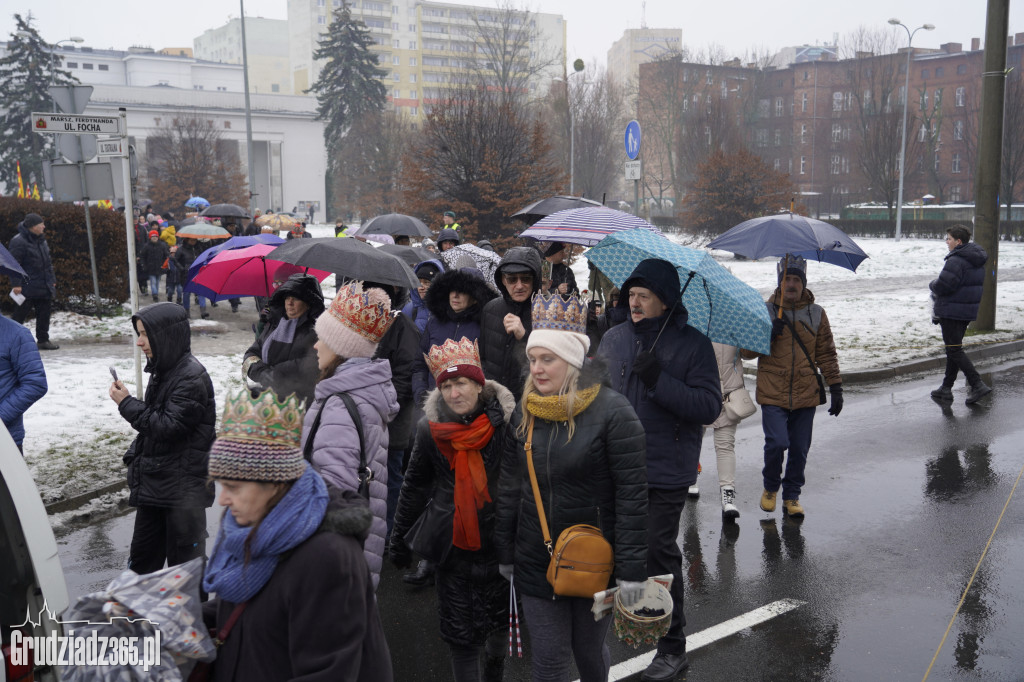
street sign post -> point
(75, 124)
(71, 99)
(633, 140)
(109, 147)
(633, 168)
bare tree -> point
(1012, 166)
(929, 136)
(510, 55)
(188, 156)
(368, 166)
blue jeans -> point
(786, 430)
(154, 285)
(562, 627)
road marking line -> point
(710, 635)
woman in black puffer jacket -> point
(589, 457)
(443, 516)
(282, 358)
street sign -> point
(71, 99)
(633, 140)
(108, 147)
(75, 124)
(633, 170)
(77, 148)
(67, 181)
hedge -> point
(862, 227)
(69, 248)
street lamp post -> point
(906, 103)
(248, 114)
(577, 68)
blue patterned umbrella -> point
(586, 226)
(720, 305)
(795, 235)
(197, 203)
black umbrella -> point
(545, 207)
(224, 211)
(349, 258)
(395, 224)
(413, 255)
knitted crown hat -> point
(455, 359)
(356, 321)
(794, 265)
(259, 439)
(560, 325)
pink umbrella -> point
(247, 272)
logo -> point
(81, 645)
(41, 123)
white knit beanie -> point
(570, 346)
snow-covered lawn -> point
(880, 315)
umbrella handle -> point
(785, 267)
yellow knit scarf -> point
(553, 407)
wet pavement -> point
(902, 496)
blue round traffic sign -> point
(633, 140)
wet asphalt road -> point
(902, 496)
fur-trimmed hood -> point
(347, 514)
(457, 280)
(436, 411)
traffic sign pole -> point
(88, 231)
(129, 226)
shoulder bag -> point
(822, 397)
(581, 559)
(203, 670)
(738, 404)
(365, 473)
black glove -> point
(399, 552)
(647, 367)
(837, 399)
(256, 369)
(778, 325)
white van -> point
(31, 577)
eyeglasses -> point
(525, 278)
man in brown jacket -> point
(787, 384)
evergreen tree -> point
(349, 86)
(25, 76)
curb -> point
(78, 500)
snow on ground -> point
(880, 315)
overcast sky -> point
(593, 25)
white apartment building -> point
(419, 43)
(267, 41)
(639, 46)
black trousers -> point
(956, 359)
(664, 506)
(42, 308)
(166, 534)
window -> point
(837, 101)
(321, 20)
(412, 78)
(197, 87)
(321, 3)
(779, 106)
(707, 134)
(922, 134)
(960, 97)
(924, 100)
(87, 66)
(956, 163)
(394, 9)
(837, 132)
(805, 75)
(958, 130)
(103, 67)
(938, 99)
(803, 165)
(395, 93)
(221, 88)
(397, 44)
(412, 61)
(935, 164)
(707, 77)
(764, 108)
(762, 138)
(834, 164)
(412, 28)
(686, 104)
(396, 77)
(412, 94)
(803, 134)
(961, 69)
(803, 103)
(939, 71)
(954, 194)
(901, 96)
(924, 74)
(396, 60)
(72, 65)
(789, 166)
(776, 164)
(375, 6)
(414, 111)
(412, 44)
(274, 87)
(395, 26)
(778, 141)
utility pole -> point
(248, 116)
(986, 188)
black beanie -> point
(32, 219)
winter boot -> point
(423, 575)
(170, 298)
(205, 315)
(943, 393)
(46, 345)
(793, 508)
(768, 500)
(156, 298)
(729, 510)
(978, 391)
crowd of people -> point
(460, 427)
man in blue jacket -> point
(957, 295)
(22, 377)
(30, 249)
(668, 372)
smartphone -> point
(113, 372)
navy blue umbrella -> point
(9, 264)
(795, 235)
(202, 259)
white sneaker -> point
(729, 510)
(693, 491)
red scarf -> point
(461, 444)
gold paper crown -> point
(451, 354)
(264, 418)
(559, 314)
(365, 314)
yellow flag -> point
(21, 186)
(35, 191)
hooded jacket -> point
(33, 255)
(472, 596)
(153, 255)
(416, 308)
(687, 393)
(316, 619)
(186, 255)
(167, 461)
(290, 367)
(597, 478)
(168, 235)
(730, 371)
(784, 377)
(502, 356)
(335, 446)
(958, 288)
(401, 348)
(22, 377)
(445, 323)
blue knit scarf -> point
(295, 518)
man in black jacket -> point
(563, 281)
(505, 322)
(668, 372)
(167, 461)
(30, 249)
